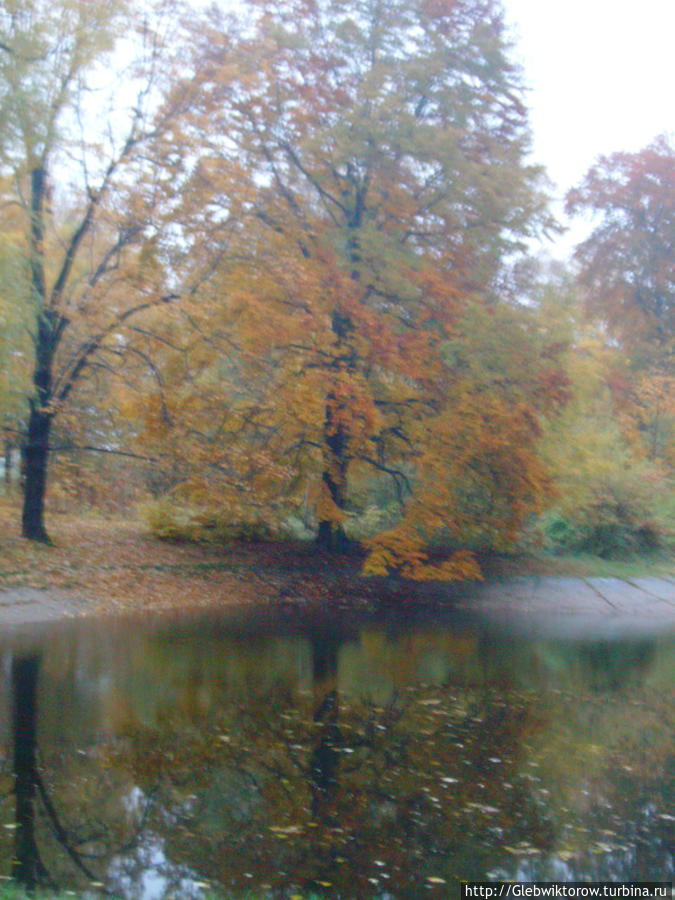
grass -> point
(581, 565)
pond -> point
(257, 753)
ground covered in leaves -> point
(118, 565)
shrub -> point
(171, 521)
(617, 516)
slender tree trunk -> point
(8, 464)
(36, 448)
(35, 460)
(331, 535)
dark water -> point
(266, 755)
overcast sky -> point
(601, 75)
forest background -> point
(269, 275)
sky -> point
(601, 78)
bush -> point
(617, 517)
(173, 522)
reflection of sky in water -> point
(344, 757)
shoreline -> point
(536, 605)
(107, 567)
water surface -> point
(269, 754)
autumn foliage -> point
(292, 294)
(367, 165)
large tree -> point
(381, 149)
(627, 264)
(83, 102)
(627, 276)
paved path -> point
(550, 607)
(577, 607)
(29, 606)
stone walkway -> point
(576, 607)
(550, 607)
(29, 606)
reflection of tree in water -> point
(44, 847)
(609, 763)
(245, 781)
(27, 867)
(325, 757)
(609, 667)
(341, 795)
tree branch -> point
(68, 448)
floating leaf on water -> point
(482, 807)
(523, 850)
(284, 832)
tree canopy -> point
(85, 193)
(372, 157)
(627, 265)
(281, 254)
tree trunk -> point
(331, 535)
(8, 464)
(35, 458)
(36, 448)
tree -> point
(380, 149)
(627, 274)
(627, 265)
(88, 192)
